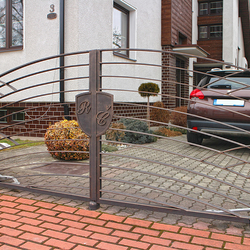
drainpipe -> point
(62, 72)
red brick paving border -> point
(31, 224)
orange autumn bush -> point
(179, 119)
(67, 136)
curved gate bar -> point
(208, 175)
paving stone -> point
(185, 162)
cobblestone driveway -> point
(172, 175)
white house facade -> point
(88, 25)
(31, 30)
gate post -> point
(95, 172)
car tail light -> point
(197, 93)
(195, 128)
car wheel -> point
(194, 138)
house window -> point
(216, 7)
(210, 8)
(203, 34)
(11, 24)
(203, 9)
(3, 112)
(120, 29)
(215, 31)
(17, 117)
(210, 31)
(11, 115)
(182, 39)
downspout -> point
(62, 64)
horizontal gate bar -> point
(175, 211)
(42, 191)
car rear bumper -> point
(209, 126)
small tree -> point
(146, 90)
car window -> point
(230, 83)
(203, 81)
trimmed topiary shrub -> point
(178, 118)
(152, 89)
(159, 115)
(67, 136)
(139, 126)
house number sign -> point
(94, 117)
(52, 14)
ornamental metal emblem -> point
(94, 118)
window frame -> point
(209, 8)
(125, 11)
(202, 9)
(5, 116)
(8, 38)
(10, 112)
(208, 32)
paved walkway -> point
(36, 225)
(125, 228)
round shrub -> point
(151, 87)
(139, 126)
(67, 136)
(115, 135)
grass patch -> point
(23, 143)
(108, 148)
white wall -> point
(194, 21)
(194, 41)
(95, 32)
(230, 30)
(233, 44)
(242, 61)
(41, 37)
(88, 26)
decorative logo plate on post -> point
(97, 114)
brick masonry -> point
(176, 23)
(77, 228)
(39, 116)
(169, 79)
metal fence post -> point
(95, 172)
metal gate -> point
(206, 176)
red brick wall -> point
(176, 18)
(213, 47)
(213, 19)
(166, 22)
(168, 78)
(181, 20)
(138, 110)
(39, 116)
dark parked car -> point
(220, 101)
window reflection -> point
(11, 23)
(17, 22)
(2, 23)
(120, 28)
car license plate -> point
(229, 102)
